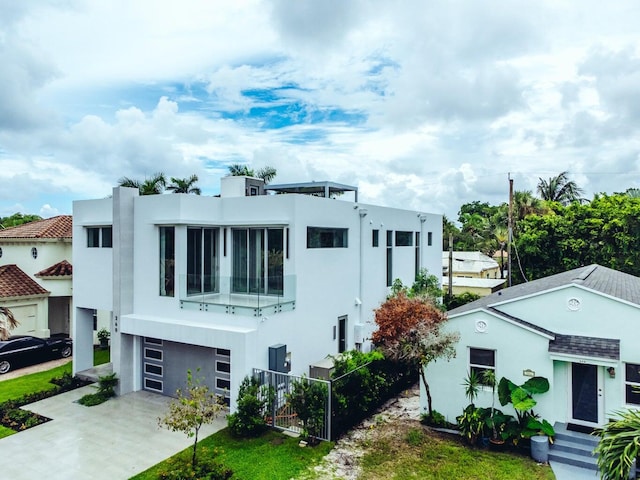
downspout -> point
(363, 213)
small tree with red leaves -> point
(409, 330)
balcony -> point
(244, 296)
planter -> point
(496, 444)
(540, 448)
(104, 343)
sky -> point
(420, 104)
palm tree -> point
(150, 186)
(560, 189)
(501, 234)
(184, 185)
(7, 323)
(619, 445)
(266, 173)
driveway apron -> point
(111, 441)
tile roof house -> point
(39, 254)
(241, 281)
(579, 329)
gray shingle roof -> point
(586, 346)
(595, 277)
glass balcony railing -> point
(242, 295)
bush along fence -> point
(320, 409)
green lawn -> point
(37, 382)
(5, 432)
(273, 456)
(417, 453)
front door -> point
(586, 393)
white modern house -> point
(241, 281)
(36, 275)
(579, 329)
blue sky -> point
(422, 105)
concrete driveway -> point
(111, 441)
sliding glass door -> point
(202, 260)
(257, 260)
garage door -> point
(165, 365)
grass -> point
(411, 451)
(38, 382)
(5, 432)
(273, 456)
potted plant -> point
(103, 337)
(497, 419)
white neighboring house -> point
(472, 272)
(32, 255)
(227, 284)
(579, 329)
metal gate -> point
(282, 415)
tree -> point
(266, 173)
(560, 189)
(619, 445)
(7, 323)
(409, 329)
(18, 219)
(149, 186)
(193, 408)
(184, 185)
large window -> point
(99, 237)
(389, 258)
(324, 237)
(258, 260)
(167, 261)
(404, 239)
(481, 360)
(202, 260)
(632, 383)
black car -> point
(22, 350)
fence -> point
(283, 416)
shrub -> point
(207, 468)
(105, 391)
(436, 419)
(415, 437)
(254, 403)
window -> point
(153, 385)
(153, 354)
(417, 260)
(100, 236)
(404, 239)
(375, 238)
(34, 253)
(480, 360)
(153, 341)
(257, 263)
(223, 352)
(429, 238)
(93, 237)
(389, 258)
(223, 384)
(0, 252)
(152, 369)
(167, 261)
(202, 260)
(223, 367)
(325, 237)
(632, 383)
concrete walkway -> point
(111, 441)
(569, 472)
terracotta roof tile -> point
(60, 269)
(54, 227)
(15, 283)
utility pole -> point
(510, 230)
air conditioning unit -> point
(358, 333)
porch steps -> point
(573, 448)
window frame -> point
(404, 238)
(629, 385)
(481, 367)
(317, 237)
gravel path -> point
(343, 461)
